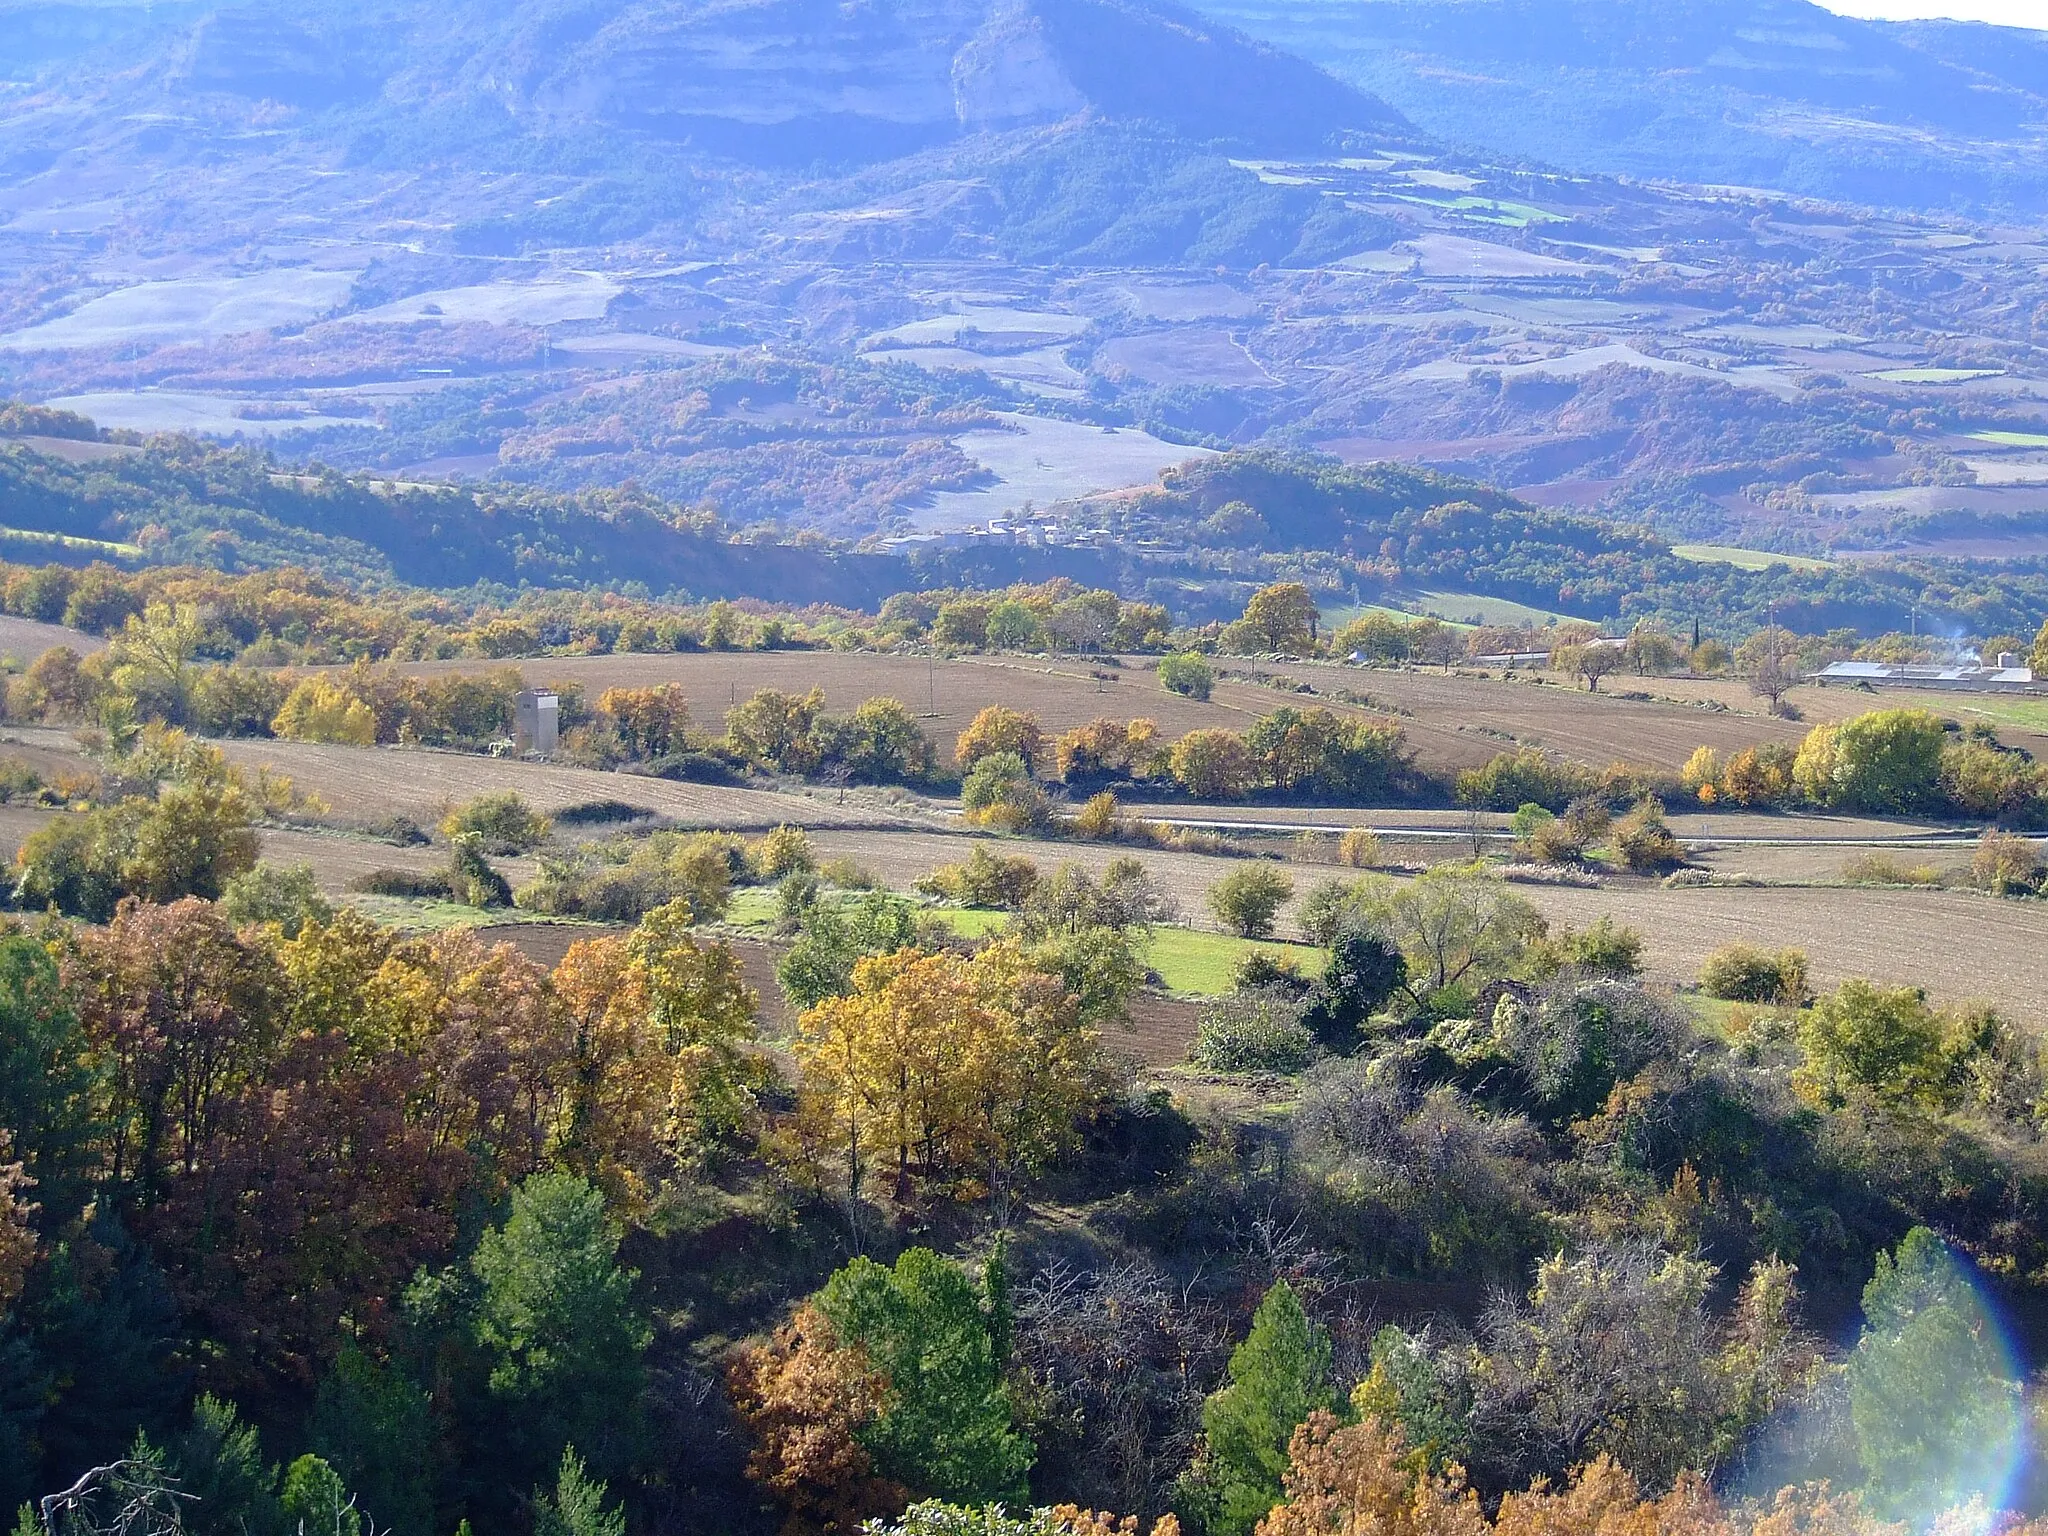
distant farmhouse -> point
(2006, 677)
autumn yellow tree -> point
(1034, 1078)
(1104, 748)
(774, 728)
(617, 1097)
(319, 709)
(1281, 617)
(1759, 775)
(1212, 764)
(941, 1067)
(999, 729)
(155, 656)
(701, 1012)
(649, 722)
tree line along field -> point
(1452, 721)
(1955, 944)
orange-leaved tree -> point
(805, 1398)
(1363, 1479)
(1105, 748)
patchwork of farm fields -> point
(1954, 943)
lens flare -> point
(1926, 1417)
(1934, 1390)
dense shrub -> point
(2006, 864)
(590, 813)
(984, 879)
(1258, 1031)
(998, 792)
(1742, 973)
(1187, 673)
(1644, 843)
(627, 876)
(1524, 776)
(413, 884)
(501, 820)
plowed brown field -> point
(367, 784)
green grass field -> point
(1202, 964)
(70, 541)
(2012, 439)
(1457, 609)
(974, 922)
(1745, 559)
(1189, 961)
(2028, 714)
(752, 909)
(1463, 607)
(1335, 619)
(420, 915)
(1934, 375)
(1488, 210)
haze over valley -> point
(903, 271)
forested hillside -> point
(1195, 541)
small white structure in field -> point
(537, 721)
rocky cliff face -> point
(1010, 73)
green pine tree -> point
(996, 1305)
(1936, 1413)
(557, 1320)
(219, 1463)
(316, 1503)
(1279, 1375)
(946, 1430)
(576, 1507)
(375, 1429)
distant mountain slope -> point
(1777, 93)
(783, 82)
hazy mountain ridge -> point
(767, 81)
(1777, 93)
